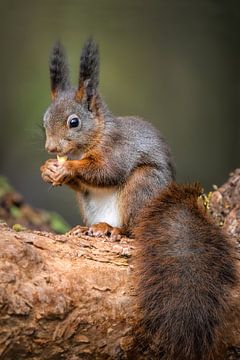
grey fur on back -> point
(138, 143)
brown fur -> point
(80, 93)
(53, 94)
(100, 230)
(186, 271)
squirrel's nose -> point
(50, 147)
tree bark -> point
(71, 298)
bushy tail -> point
(186, 271)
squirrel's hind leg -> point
(101, 229)
(142, 186)
(78, 231)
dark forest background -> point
(175, 63)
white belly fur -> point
(101, 205)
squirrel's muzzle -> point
(51, 147)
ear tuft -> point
(59, 72)
(89, 71)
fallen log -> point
(63, 297)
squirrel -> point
(124, 175)
(116, 164)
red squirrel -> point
(123, 173)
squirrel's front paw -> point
(48, 170)
(63, 173)
(55, 172)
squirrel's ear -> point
(88, 75)
(59, 72)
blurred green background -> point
(175, 63)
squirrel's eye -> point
(73, 121)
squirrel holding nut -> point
(123, 173)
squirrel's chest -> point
(100, 205)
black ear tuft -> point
(59, 72)
(89, 70)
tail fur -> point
(186, 271)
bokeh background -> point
(173, 62)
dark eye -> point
(73, 121)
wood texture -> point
(73, 298)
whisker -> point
(50, 187)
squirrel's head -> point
(74, 115)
